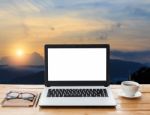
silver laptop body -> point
(73, 69)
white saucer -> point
(137, 95)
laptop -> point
(77, 75)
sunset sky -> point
(26, 25)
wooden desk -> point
(124, 107)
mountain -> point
(36, 78)
(121, 70)
(28, 59)
(142, 75)
(21, 74)
(136, 56)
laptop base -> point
(77, 101)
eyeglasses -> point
(20, 95)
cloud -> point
(138, 11)
(38, 22)
(113, 28)
(28, 59)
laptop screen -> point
(77, 64)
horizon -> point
(33, 59)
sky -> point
(27, 25)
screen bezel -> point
(76, 83)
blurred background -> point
(26, 25)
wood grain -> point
(139, 106)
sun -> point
(19, 52)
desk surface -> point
(124, 106)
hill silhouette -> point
(36, 78)
(136, 56)
(142, 75)
(21, 74)
(119, 71)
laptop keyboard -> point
(77, 93)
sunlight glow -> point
(20, 52)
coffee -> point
(127, 84)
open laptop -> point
(77, 75)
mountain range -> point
(119, 70)
(133, 56)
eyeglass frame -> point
(19, 96)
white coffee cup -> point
(130, 88)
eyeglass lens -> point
(26, 96)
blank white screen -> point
(76, 64)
